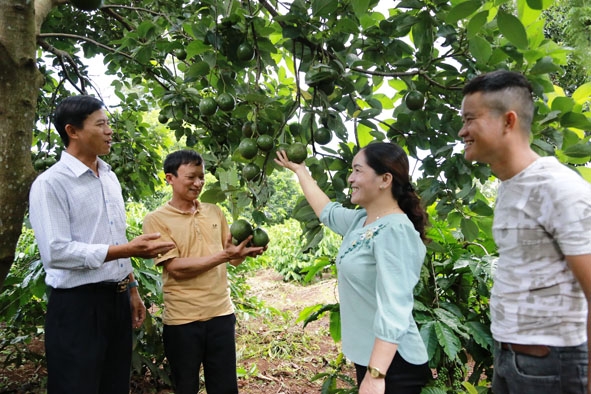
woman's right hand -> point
(315, 196)
(283, 161)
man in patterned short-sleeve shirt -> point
(542, 228)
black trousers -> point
(210, 343)
(402, 377)
(88, 340)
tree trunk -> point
(20, 81)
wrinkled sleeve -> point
(49, 209)
(337, 218)
(398, 269)
(152, 224)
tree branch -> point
(108, 11)
(61, 55)
(82, 38)
(127, 7)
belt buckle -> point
(122, 285)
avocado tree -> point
(332, 75)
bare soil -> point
(276, 354)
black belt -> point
(529, 350)
(117, 287)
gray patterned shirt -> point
(541, 214)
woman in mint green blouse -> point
(378, 265)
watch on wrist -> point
(375, 373)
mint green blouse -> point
(378, 266)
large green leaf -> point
(576, 120)
(545, 66)
(462, 10)
(324, 8)
(335, 326)
(578, 150)
(585, 173)
(480, 333)
(433, 390)
(360, 7)
(512, 29)
(429, 337)
(469, 229)
(583, 93)
(480, 49)
(476, 24)
(447, 339)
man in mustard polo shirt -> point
(199, 320)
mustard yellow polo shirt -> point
(197, 234)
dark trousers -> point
(402, 377)
(562, 371)
(88, 340)
(211, 343)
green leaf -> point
(259, 217)
(433, 390)
(480, 333)
(585, 173)
(360, 7)
(563, 104)
(578, 150)
(512, 29)
(469, 229)
(535, 4)
(480, 49)
(449, 319)
(198, 69)
(470, 388)
(447, 339)
(481, 208)
(305, 214)
(213, 196)
(412, 4)
(335, 326)
(313, 238)
(545, 66)
(576, 120)
(461, 11)
(429, 337)
(476, 24)
(324, 8)
(583, 93)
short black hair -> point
(505, 91)
(497, 80)
(74, 110)
(176, 159)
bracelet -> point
(132, 284)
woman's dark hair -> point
(386, 157)
(74, 110)
(176, 159)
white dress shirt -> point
(76, 216)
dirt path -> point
(293, 354)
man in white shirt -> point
(542, 227)
(78, 215)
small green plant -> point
(22, 304)
(334, 380)
(285, 253)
